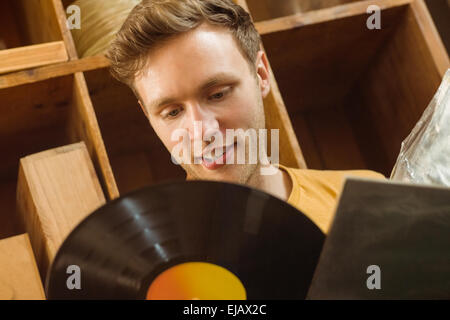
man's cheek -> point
(239, 117)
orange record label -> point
(196, 281)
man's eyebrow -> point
(219, 78)
(162, 102)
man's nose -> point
(202, 123)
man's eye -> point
(173, 113)
(219, 95)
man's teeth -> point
(213, 159)
(209, 159)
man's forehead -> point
(207, 43)
(198, 58)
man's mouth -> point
(213, 161)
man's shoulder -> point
(303, 176)
(331, 173)
(315, 192)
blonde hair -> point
(153, 22)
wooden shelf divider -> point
(324, 15)
(56, 190)
(32, 56)
(84, 126)
(52, 71)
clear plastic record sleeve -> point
(425, 154)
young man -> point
(199, 61)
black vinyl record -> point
(123, 246)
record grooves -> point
(234, 231)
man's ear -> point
(143, 109)
(138, 97)
(262, 72)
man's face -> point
(202, 76)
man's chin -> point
(229, 173)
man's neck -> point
(278, 184)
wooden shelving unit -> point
(343, 96)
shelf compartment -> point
(356, 92)
(30, 34)
(41, 116)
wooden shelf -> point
(343, 96)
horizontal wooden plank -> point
(32, 56)
(19, 276)
(324, 15)
(270, 9)
(52, 71)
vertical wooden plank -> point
(431, 36)
(277, 118)
(83, 125)
(65, 32)
(440, 12)
(56, 190)
(19, 275)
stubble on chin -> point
(235, 173)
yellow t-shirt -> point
(316, 192)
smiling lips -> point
(219, 161)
